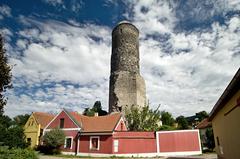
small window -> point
(62, 123)
(94, 143)
(29, 140)
(218, 143)
(115, 145)
(68, 142)
(121, 126)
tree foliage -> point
(167, 128)
(182, 122)
(11, 135)
(5, 75)
(21, 119)
(210, 139)
(97, 108)
(167, 118)
(17, 153)
(54, 138)
(142, 119)
(15, 137)
(201, 115)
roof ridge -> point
(72, 117)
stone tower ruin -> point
(127, 87)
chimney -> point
(96, 114)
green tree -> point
(5, 75)
(201, 115)
(15, 137)
(210, 139)
(21, 119)
(167, 118)
(5, 121)
(182, 122)
(97, 108)
(11, 135)
(53, 140)
(142, 119)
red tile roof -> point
(204, 124)
(105, 123)
(43, 118)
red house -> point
(87, 134)
(108, 136)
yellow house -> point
(225, 118)
(34, 126)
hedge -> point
(17, 153)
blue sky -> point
(60, 51)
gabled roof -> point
(42, 118)
(231, 89)
(105, 123)
(204, 124)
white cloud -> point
(54, 2)
(69, 5)
(54, 52)
(5, 11)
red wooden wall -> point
(105, 144)
(135, 142)
(71, 133)
(68, 123)
(179, 141)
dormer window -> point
(62, 123)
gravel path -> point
(204, 156)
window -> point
(68, 142)
(94, 143)
(121, 126)
(62, 123)
(29, 140)
(115, 145)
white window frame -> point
(90, 144)
(65, 143)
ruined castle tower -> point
(127, 87)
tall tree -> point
(11, 135)
(5, 75)
(167, 118)
(97, 108)
(142, 119)
(182, 122)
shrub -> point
(12, 137)
(167, 128)
(17, 153)
(52, 140)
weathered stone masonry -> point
(127, 87)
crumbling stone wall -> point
(127, 87)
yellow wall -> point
(227, 129)
(32, 130)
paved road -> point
(204, 156)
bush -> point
(12, 137)
(167, 128)
(48, 150)
(52, 140)
(17, 153)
